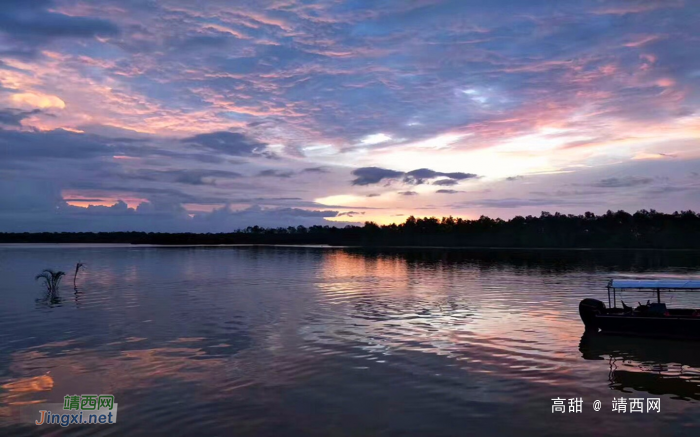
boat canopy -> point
(655, 284)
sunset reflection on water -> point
(316, 341)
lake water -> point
(332, 341)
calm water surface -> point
(320, 341)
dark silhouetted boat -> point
(650, 319)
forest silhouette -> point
(643, 229)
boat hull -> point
(597, 318)
(665, 327)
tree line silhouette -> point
(643, 229)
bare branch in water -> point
(75, 276)
(51, 279)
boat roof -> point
(666, 284)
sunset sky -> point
(213, 115)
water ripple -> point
(271, 341)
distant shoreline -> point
(612, 231)
(329, 246)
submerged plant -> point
(75, 276)
(51, 279)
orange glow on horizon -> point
(86, 200)
(396, 217)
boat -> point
(652, 319)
